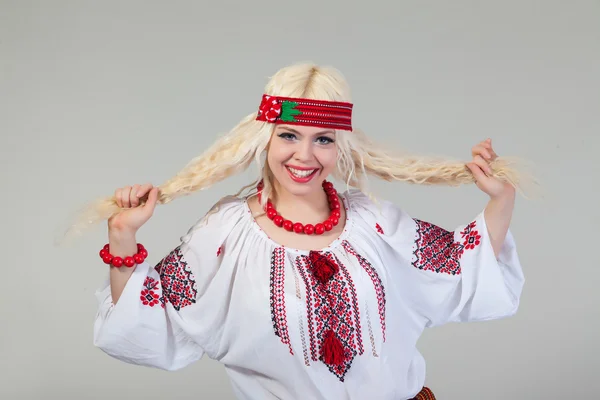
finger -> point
(482, 151)
(488, 145)
(125, 196)
(477, 149)
(133, 197)
(481, 163)
(477, 172)
(142, 193)
(143, 190)
(151, 202)
(118, 197)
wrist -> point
(506, 196)
(122, 242)
(120, 233)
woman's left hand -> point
(483, 153)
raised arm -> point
(122, 230)
(499, 210)
(160, 314)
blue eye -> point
(325, 140)
(287, 136)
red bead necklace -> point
(308, 229)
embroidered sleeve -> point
(444, 275)
(459, 279)
(163, 318)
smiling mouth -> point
(302, 173)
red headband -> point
(297, 111)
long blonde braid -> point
(358, 156)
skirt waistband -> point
(424, 394)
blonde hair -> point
(358, 156)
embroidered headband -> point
(308, 112)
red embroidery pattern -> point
(177, 280)
(471, 236)
(219, 251)
(379, 289)
(278, 313)
(379, 229)
(330, 310)
(437, 250)
(309, 310)
(332, 307)
(361, 349)
(150, 295)
(300, 319)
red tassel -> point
(332, 349)
(322, 267)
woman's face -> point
(301, 157)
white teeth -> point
(300, 173)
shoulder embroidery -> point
(435, 249)
(176, 281)
(379, 228)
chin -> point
(303, 184)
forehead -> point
(304, 130)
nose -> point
(304, 151)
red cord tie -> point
(128, 261)
(322, 267)
(332, 350)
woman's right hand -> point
(134, 216)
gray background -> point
(96, 95)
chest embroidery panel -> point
(327, 306)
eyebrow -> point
(287, 128)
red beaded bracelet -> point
(129, 261)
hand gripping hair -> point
(306, 94)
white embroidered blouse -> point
(230, 292)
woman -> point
(301, 291)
